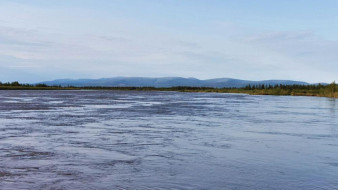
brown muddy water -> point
(166, 140)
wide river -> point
(166, 140)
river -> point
(166, 140)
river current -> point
(166, 140)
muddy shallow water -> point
(166, 140)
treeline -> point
(259, 89)
(19, 86)
(283, 86)
(329, 90)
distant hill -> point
(166, 82)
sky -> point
(253, 40)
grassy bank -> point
(278, 90)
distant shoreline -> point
(278, 90)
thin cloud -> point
(89, 43)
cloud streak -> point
(59, 43)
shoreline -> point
(271, 91)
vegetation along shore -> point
(319, 90)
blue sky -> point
(255, 40)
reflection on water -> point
(333, 105)
(166, 140)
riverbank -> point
(280, 90)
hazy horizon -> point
(72, 39)
(172, 77)
(272, 79)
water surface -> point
(166, 140)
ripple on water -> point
(166, 140)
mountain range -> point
(166, 82)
